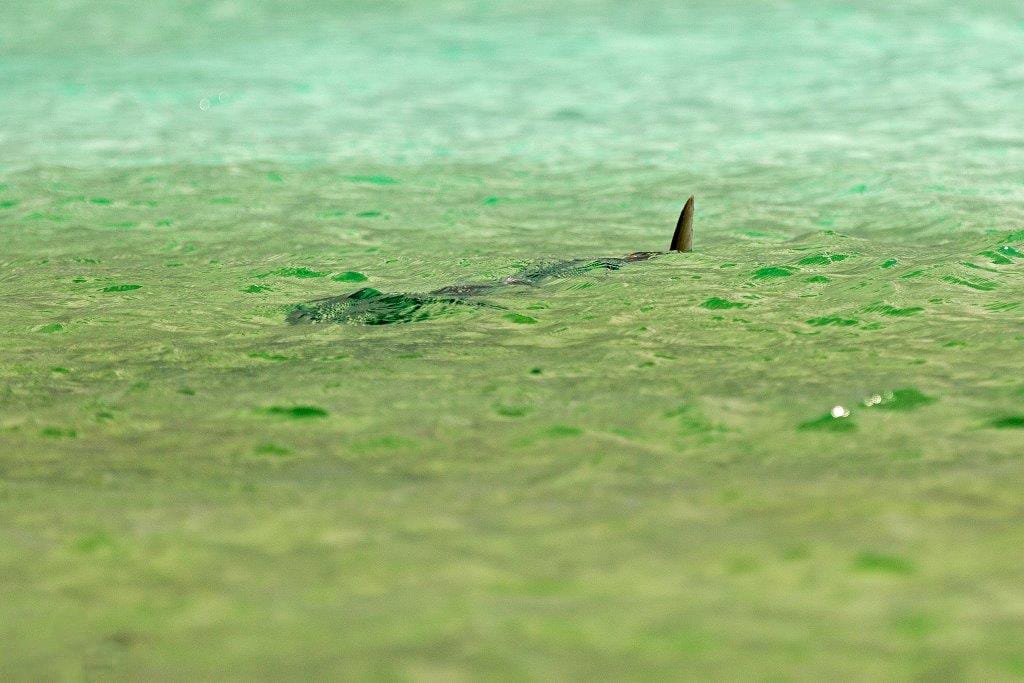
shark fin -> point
(682, 239)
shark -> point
(369, 306)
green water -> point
(620, 474)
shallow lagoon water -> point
(625, 473)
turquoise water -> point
(793, 453)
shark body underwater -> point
(368, 306)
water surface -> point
(794, 452)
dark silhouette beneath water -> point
(369, 306)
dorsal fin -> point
(682, 239)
